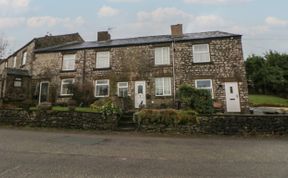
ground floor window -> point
(163, 86)
(66, 85)
(101, 88)
(122, 89)
(205, 84)
(18, 82)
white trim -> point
(204, 88)
(97, 58)
(163, 83)
(61, 88)
(14, 61)
(40, 90)
(201, 52)
(108, 83)
(120, 87)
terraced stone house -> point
(148, 69)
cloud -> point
(49, 21)
(11, 22)
(216, 2)
(125, 1)
(17, 4)
(106, 11)
(273, 21)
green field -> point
(266, 100)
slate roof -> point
(137, 41)
(19, 72)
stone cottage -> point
(148, 69)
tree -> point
(3, 47)
(268, 74)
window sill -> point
(162, 65)
(64, 71)
(101, 96)
(107, 68)
(202, 63)
(65, 96)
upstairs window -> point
(66, 87)
(24, 58)
(68, 62)
(122, 89)
(6, 64)
(103, 60)
(201, 53)
(205, 85)
(101, 88)
(14, 61)
(163, 86)
(162, 56)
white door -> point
(140, 93)
(44, 92)
(232, 97)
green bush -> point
(107, 106)
(166, 117)
(196, 99)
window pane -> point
(101, 90)
(66, 86)
(102, 59)
(123, 84)
(166, 55)
(123, 92)
(159, 86)
(158, 56)
(162, 55)
(68, 62)
(140, 89)
(167, 86)
(101, 82)
(201, 53)
(203, 83)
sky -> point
(263, 23)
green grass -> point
(60, 108)
(266, 100)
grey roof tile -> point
(137, 41)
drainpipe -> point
(174, 72)
(84, 70)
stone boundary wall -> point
(226, 125)
(57, 119)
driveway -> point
(37, 154)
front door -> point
(140, 93)
(44, 92)
(232, 97)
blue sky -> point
(263, 23)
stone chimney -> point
(104, 36)
(176, 30)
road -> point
(37, 154)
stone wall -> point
(55, 119)
(225, 125)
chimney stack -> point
(176, 30)
(104, 36)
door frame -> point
(40, 90)
(237, 95)
(135, 92)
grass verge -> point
(267, 100)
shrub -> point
(71, 105)
(166, 117)
(26, 104)
(198, 100)
(45, 106)
(107, 106)
(83, 94)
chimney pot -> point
(104, 36)
(176, 30)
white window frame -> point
(61, 89)
(14, 61)
(6, 64)
(68, 57)
(162, 60)
(195, 60)
(205, 88)
(122, 87)
(163, 86)
(24, 58)
(99, 60)
(96, 84)
(17, 83)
